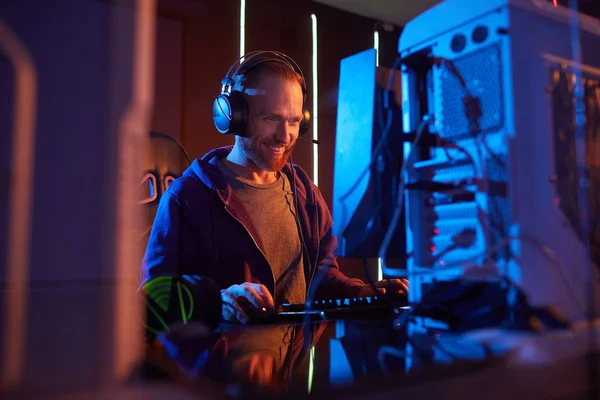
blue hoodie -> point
(202, 234)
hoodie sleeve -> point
(165, 254)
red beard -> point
(262, 156)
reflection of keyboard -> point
(348, 304)
(335, 309)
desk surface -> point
(559, 364)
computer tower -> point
(515, 197)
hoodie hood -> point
(206, 170)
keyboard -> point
(357, 308)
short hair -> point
(273, 68)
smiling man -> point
(275, 112)
(243, 227)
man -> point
(244, 228)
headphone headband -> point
(250, 60)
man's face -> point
(274, 122)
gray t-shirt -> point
(271, 208)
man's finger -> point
(404, 286)
(231, 301)
(253, 297)
(399, 285)
(264, 293)
(393, 286)
(228, 312)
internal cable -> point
(383, 250)
(545, 251)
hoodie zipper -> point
(257, 246)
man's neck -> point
(248, 170)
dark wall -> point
(168, 88)
(210, 43)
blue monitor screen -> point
(364, 186)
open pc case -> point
(509, 188)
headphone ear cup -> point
(230, 113)
(222, 113)
(305, 124)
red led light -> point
(555, 2)
(432, 248)
(436, 231)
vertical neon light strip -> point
(242, 28)
(376, 46)
(315, 126)
(315, 93)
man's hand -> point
(256, 294)
(255, 369)
(392, 286)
